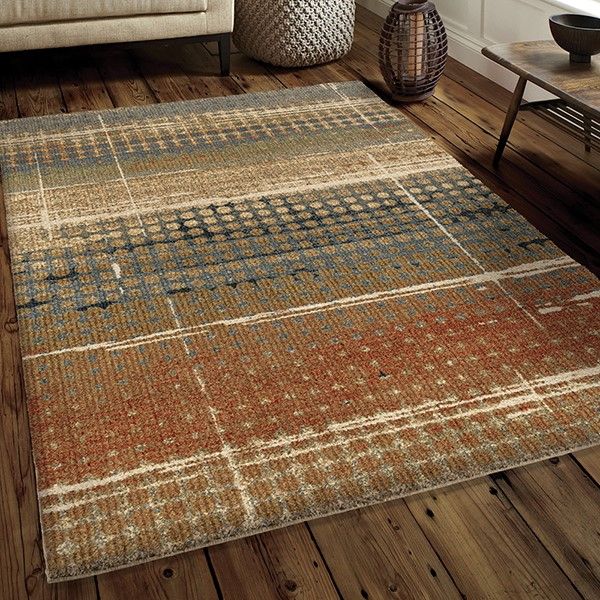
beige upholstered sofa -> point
(32, 24)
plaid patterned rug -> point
(239, 313)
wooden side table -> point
(577, 85)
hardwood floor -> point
(531, 532)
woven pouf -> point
(294, 33)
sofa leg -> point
(225, 53)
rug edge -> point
(231, 98)
(324, 516)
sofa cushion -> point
(15, 12)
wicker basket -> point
(294, 33)
(413, 50)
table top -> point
(547, 65)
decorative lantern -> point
(413, 50)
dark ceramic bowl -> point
(577, 34)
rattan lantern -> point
(413, 50)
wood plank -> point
(548, 65)
(201, 66)
(560, 503)
(368, 20)
(175, 578)
(80, 82)
(123, 82)
(322, 74)
(12, 568)
(80, 589)
(499, 97)
(186, 71)
(381, 552)
(164, 76)
(590, 460)
(8, 97)
(284, 563)
(252, 76)
(486, 545)
(36, 84)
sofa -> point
(33, 24)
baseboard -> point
(379, 7)
(467, 50)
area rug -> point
(240, 313)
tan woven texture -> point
(13, 12)
(294, 33)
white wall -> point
(473, 24)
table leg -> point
(511, 115)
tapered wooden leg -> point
(225, 53)
(511, 115)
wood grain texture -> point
(80, 82)
(36, 84)
(561, 508)
(497, 96)
(384, 554)
(8, 97)
(252, 76)
(486, 544)
(174, 578)
(163, 75)
(122, 79)
(590, 460)
(545, 63)
(195, 61)
(529, 538)
(278, 564)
